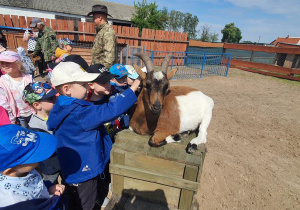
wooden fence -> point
(285, 59)
(155, 40)
(84, 33)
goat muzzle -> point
(156, 108)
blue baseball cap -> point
(131, 72)
(19, 146)
(66, 41)
(119, 70)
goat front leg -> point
(201, 137)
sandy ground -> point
(253, 142)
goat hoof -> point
(191, 148)
(152, 144)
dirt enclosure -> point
(253, 159)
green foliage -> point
(148, 16)
(247, 42)
(175, 20)
(189, 25)
(231, 34)
(206, 35)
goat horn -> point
(146, 59)
(165, 64)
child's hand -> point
(135, 85)
(56, 189)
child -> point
(84, 146)
(12, 85)
(100, 87)
(71, 58)
(65, 50)
(132, 74)
(119, 83)
(42, 98)
(27, 62)
(20, 152)
(4, 120)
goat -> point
(166, 112)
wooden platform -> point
(165, 174)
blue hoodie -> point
(83, 146)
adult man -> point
(46, 43)
(104, 47)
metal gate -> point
(189, 64)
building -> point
(67, 9)
(286, 40)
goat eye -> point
(148, 85)
(165, 88)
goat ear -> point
(171, 73)
(140, 72)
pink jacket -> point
(4, 119)
(11, 100)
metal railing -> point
(190, 64)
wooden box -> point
(165, 174)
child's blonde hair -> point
(21, 68)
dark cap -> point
(73, 58)
(99, 9)
(104, 77)
(36, 20)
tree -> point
(148, 16)
(206, 35)
(214, 37)
(175, 20)
(189, 25)
(231, 34)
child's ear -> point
(66, 89)
(36, 105)
(9, 172)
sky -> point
(259, 20)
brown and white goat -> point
(166, 112)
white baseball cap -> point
(67, 72)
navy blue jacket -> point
(83, 145)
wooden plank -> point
(117, 179)
(8, 21)
(29, 19)
(80, 28)
(186, 196)
(15, 21)
(152, 191)
(262, 48)
(270, 74)
(129, 141)
(2, 21)
(151, 176)
(164, 166)
(195, 43)
(23, 23)
(11, 41)
(54, 24)
(268, 67)
(48, 22)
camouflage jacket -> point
(46, 43)
(104, 47)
